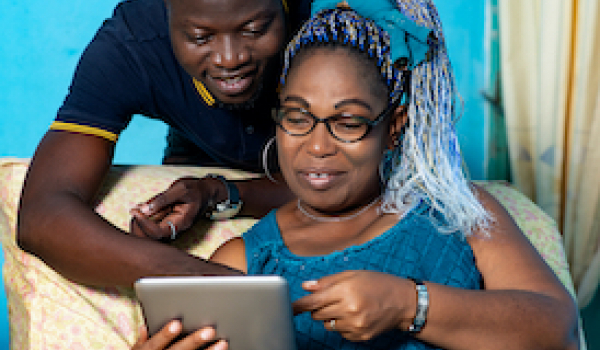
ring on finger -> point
(332, 324)
(173, 230)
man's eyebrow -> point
(297, 99)
(353, 101)
(267, 15)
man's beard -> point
(242, 106)
(268, 82)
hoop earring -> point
(265, 158)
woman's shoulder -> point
(264, 230)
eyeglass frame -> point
(370, 123)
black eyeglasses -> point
(345, 127)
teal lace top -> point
(412, 248)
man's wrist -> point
(227, 208)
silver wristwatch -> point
(231, 206)
(422, 307)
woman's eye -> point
(296, 120)
(348, 124)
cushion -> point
(47, 311)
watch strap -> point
(422, 306)
(231, 206)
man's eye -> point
(200, 39)
(256, 28)
(253, 32)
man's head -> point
(228, 45)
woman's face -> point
(227, 44)
(325, 173)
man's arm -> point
(57, 223)
(186, 198)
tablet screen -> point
(251, 312)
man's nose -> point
(229, 53)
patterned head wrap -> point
(427, 164)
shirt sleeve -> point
(107, 87)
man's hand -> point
(175, 209)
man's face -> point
(227, 44)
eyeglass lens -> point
(346, 127)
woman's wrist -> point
(409, 304)
(422, 307)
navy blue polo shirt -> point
(129, 68)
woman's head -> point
(339, 110)
(407, 63)
(335, 125)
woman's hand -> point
(363, 304)
(163, 339)
(175, 209)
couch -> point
(46, 311)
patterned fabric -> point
(47, 311)
(407, 39)
(412, 248)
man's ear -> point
(398, 121)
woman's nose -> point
(320, 142)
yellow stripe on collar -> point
(204, 92)
(285, 6)
(84, 129)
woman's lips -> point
(320, 180)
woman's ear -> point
(398, 121)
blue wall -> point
(39, 48)
(464, 24)
(42, 40)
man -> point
(206, 67)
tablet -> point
(251, 312)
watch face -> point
(230, 207)
(226, 210)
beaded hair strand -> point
(427, 165)
(347, 28)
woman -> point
(387, 245)
(330, 159)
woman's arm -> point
(233, 254)
(523, 306)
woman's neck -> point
(337, 217)
(305, 236)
